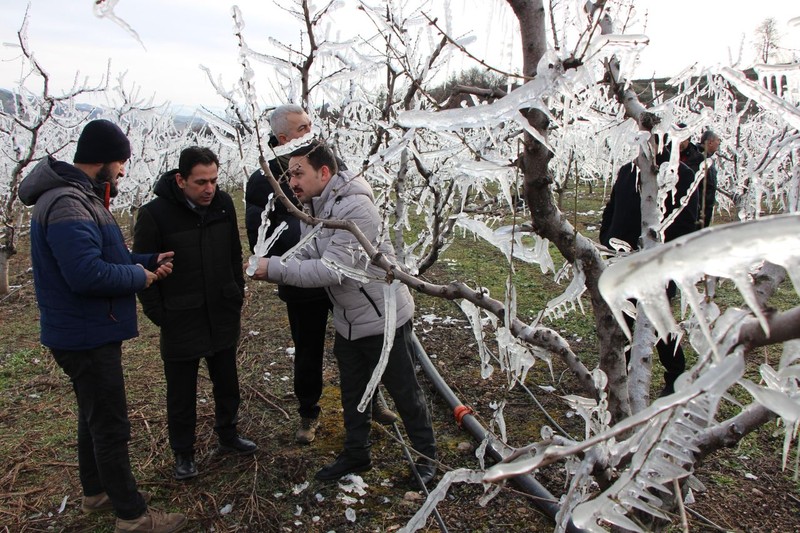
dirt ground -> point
(274, 490)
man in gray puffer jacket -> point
(358, 308)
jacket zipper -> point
(370, 300)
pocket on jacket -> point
(183, 302)
(232, 290)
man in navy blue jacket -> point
(85, 279)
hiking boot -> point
(382, 415)
(185, 466)
(348, 462)
(426, 468)
(307, 431)
(238, 446)
(101, 502)
(152, 521)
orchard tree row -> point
(464, 160)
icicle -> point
(389, 329)
(260, 249)
(561, 305)
(356, 274)
(473, 314)
(302, 243)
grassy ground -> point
(40, 490)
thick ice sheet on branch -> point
(727, 251)
(508, 239)
(563, 304)
(506, 108)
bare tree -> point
(37, 125)
(767, 39)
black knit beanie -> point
(102, 141)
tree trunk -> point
(4, 255)
(550, 223)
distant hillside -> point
(7, 100)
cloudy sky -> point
(180, 35)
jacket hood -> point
(342, 185)
(50, 174)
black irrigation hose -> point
(543, 499)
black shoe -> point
(238, 446)
(185, 467)
(345, 463)
(426, 469)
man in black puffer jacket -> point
(199, 310)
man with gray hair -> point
(307, 308)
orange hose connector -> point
(460, 412)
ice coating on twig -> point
(563, 304)
(358, 274)
(261, 248)
(663, 452)
(389, 327)
(461, 475)
(105, 9)
(766, 99)
(307, 238)
(509, 239)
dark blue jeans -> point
(182, 398)
(103, 426)
(357, 359)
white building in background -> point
(781, 79)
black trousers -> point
(308, 322)
(182, 398)
(670, 352)
(357, 359)
(103, 426)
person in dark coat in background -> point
(307, 308)
(199, 307)
(85, 279)
(709, 144)
(622, 219)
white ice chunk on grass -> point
(353, 483)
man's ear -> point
(179, 180)
(325, 173)
(282, 139)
